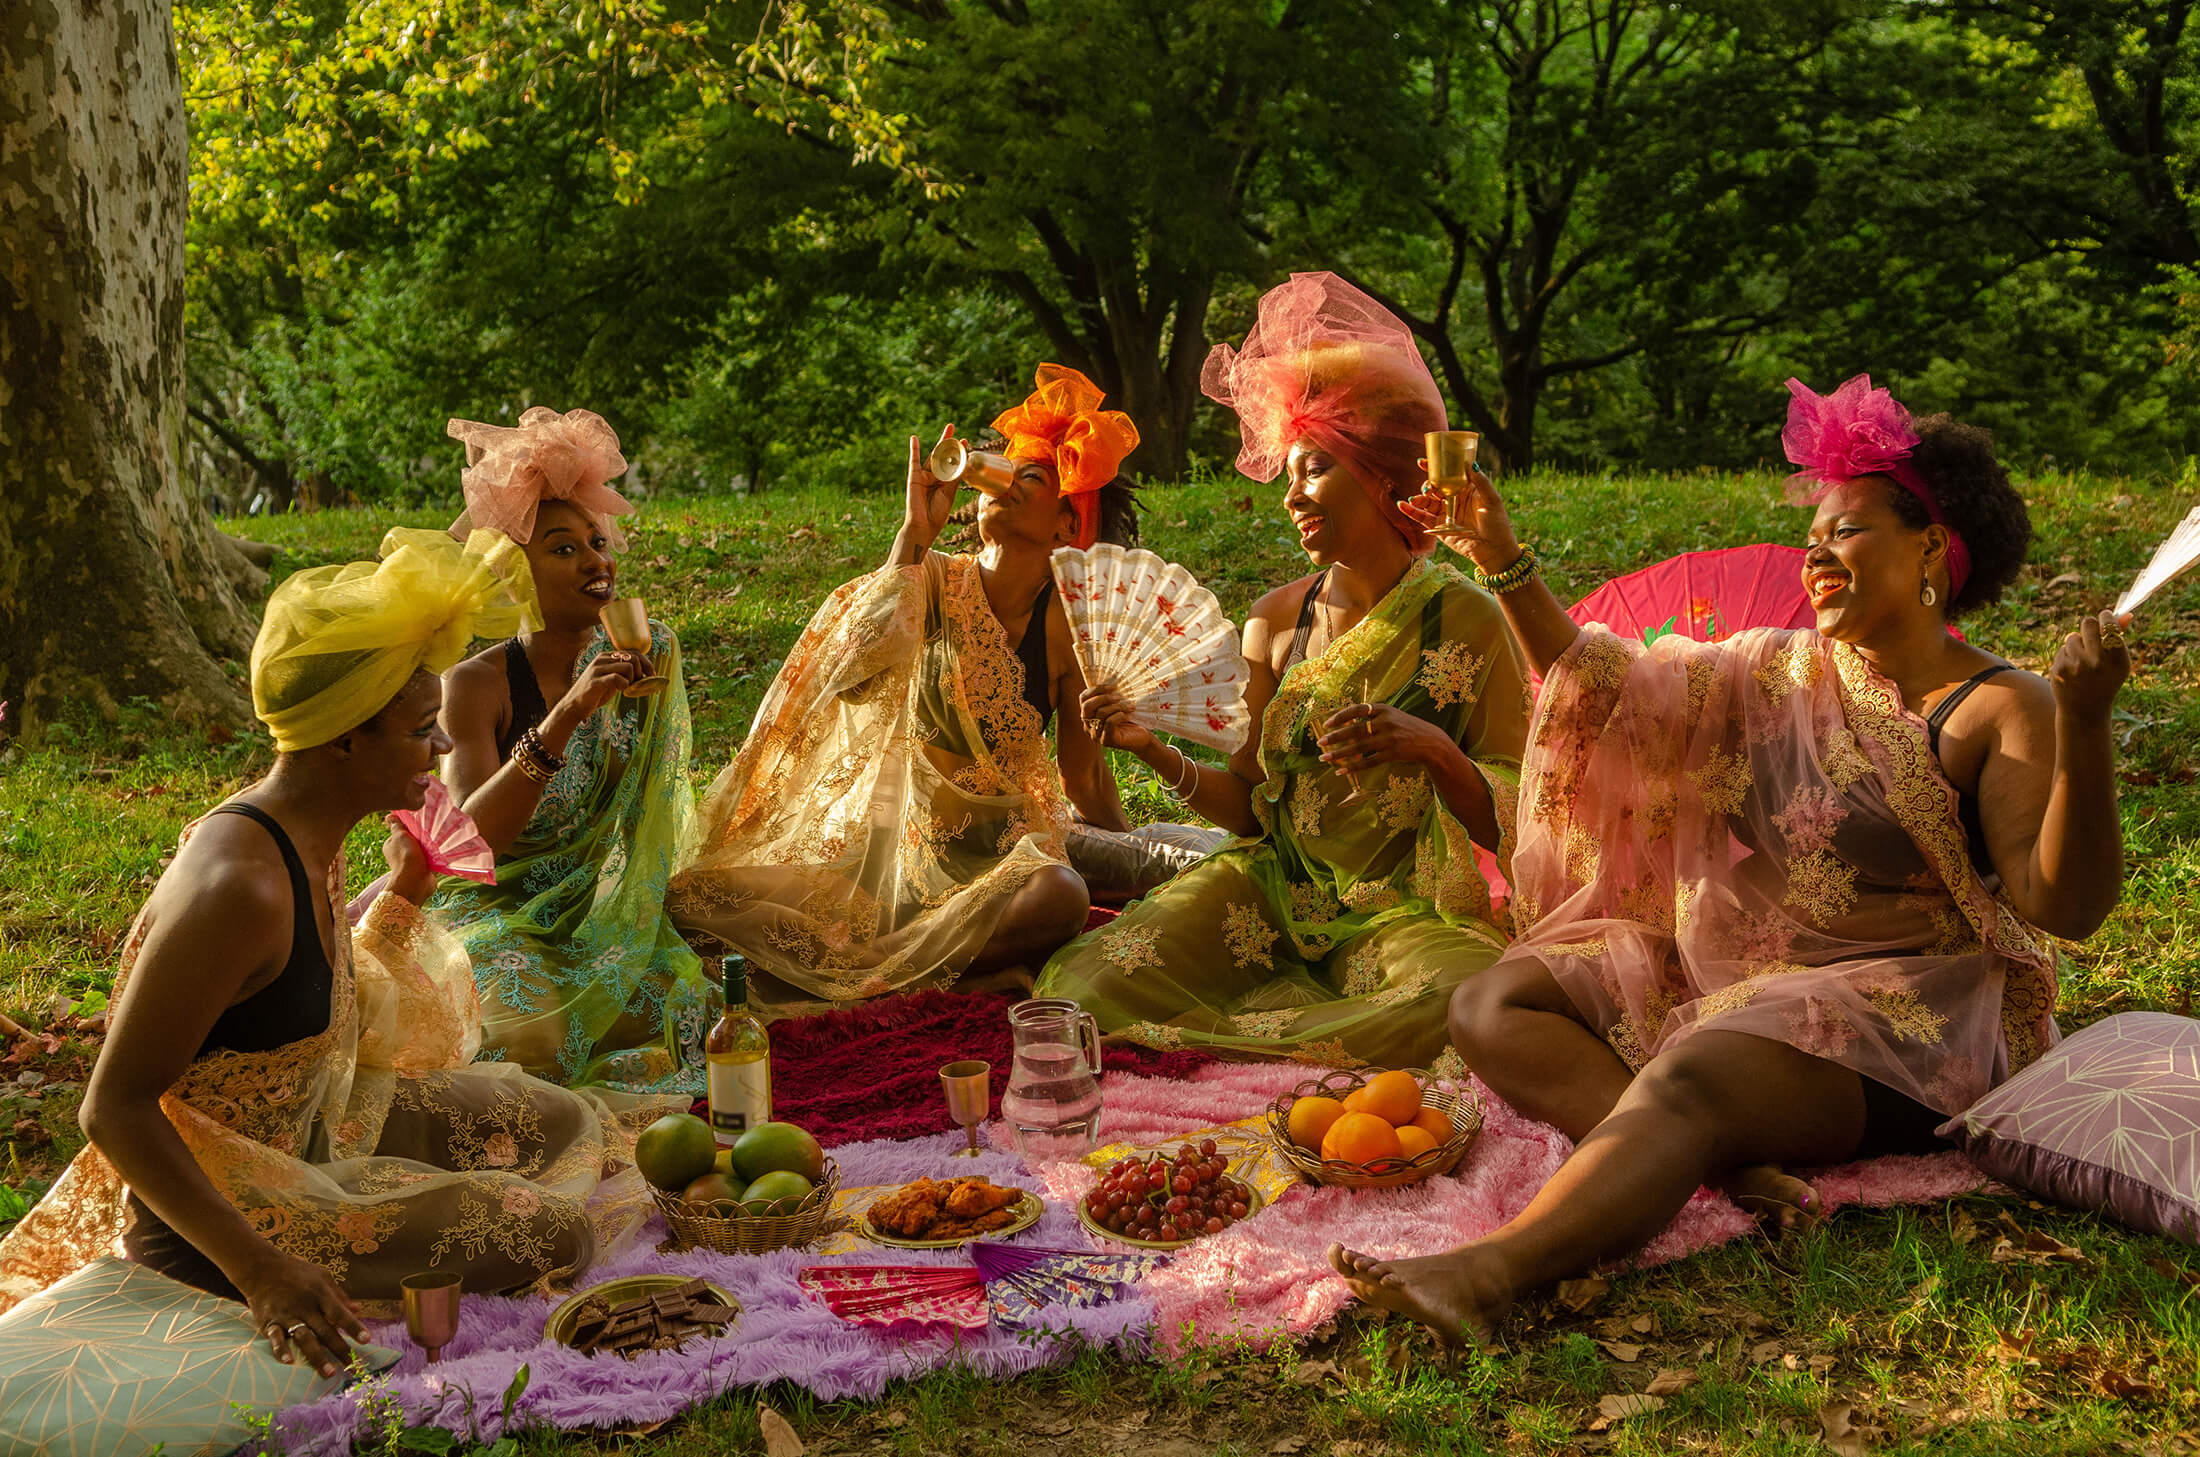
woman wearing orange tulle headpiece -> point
(897, 816)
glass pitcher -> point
(1052, 1103)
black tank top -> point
(528, 709)
(1305, 627)
(1974, 832)
(1032, 653)
(295, 1005)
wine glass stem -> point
(972, 1130)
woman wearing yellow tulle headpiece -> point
(283, 1111)
(896, 816)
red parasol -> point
(1705, 595)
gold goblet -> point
(626, 623)
(982, 470)
(1358, 794)
(969, 1089)
(431, 1310)
(1451, 466)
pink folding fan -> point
(449, 838)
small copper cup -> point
(969, 1090)
(626, 623)
(431, 1310)
(982, 470)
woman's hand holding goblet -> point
(1470, 519)
(1360, 737)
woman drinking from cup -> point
(571, 756)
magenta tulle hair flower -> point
(1831, 439)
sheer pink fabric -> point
(1754, 835)
(1327, 364)
(548, 456)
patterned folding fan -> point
(1022, 1281)
(448, 837)
(892, 1295)
(1146, 628)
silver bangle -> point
(1190, 783)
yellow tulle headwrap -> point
(338, 643)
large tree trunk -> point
(113, 582)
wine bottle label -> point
(740, 1097)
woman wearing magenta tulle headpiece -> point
(1780, 898)
(1338, 933)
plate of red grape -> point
(1164, 1203)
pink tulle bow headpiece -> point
(548, 456)
(1326, 364)
(1859, 431)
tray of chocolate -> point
(641, 1313)
(939, 1214)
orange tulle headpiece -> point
(1062, 424)
(548, 456)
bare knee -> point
(1480, 1004)
(1054, 904)
(1684, 1084)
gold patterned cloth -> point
(894, 794)
(1336, 937)
(372, 1149)
(1754, 835)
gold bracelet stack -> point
(1514, 577)
(535, 761)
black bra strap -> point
(1305, 627)
(1948, 705)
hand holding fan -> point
(1147, 629)
(2171, 557)
(448, 838)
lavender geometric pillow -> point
(2108, 1120)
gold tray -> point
(559, 1327)
(1253, 1206)
(1027, 1214)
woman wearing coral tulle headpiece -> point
(896, 816)
(1338, 934)
(1779, 899)
(581, 791)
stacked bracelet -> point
(535, 761)
(1190, 782)
(1513, 577)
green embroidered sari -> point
(1338, 935)
(583, 978)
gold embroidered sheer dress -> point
(894, 794)
(371, 1148)
(1338, 935)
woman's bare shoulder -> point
(1279, 606)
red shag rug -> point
(872, 1071)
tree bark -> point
(113, 582)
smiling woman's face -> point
(1326, 502)
(1863, 565)
(574, 571)
(393, 753)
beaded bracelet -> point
(1513, 577)
(535, 761)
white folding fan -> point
(1146, 628)
(2171, 557)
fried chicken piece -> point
(972, 1198)
(910, 1211)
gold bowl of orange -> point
(1374, 1129)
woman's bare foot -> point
(1460, 1295)
(1775, 1198)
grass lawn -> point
(1934, 1330)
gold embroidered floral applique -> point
(1363, 970)
(1822, 886)
(1794, 666)
(1307, 803)
(1602, 661)
(1248, 936)
(1584, 856)
(1449, 673)
(1131, 947)
(1371, 897)
(1907, 1016)
(1729, 999)
(1587, 950)
(1843, 761)
(1703, 675)
(1723, 782)
(1403, 800)
(1811, 817)
(1264, 1024)
(1312, 902)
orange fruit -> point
(1393, 1097)
(1414, 1140)
(1309, 1121)
(1433, 1122)
(1360, 1138)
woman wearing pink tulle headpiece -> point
(1779, 899)
(1393, 710)
(549, 456)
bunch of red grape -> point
(1161, 1199)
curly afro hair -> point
(1973, 489)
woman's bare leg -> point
(1041, 918)
(1718, 1102)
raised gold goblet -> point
(1451, 466)
(985, 471)
(431, 1310)
(968, 1087)
(626, 623)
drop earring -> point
(1926, 594)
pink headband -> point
(1859, 431)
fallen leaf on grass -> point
(1669, 1380)
(1579, 1295)
(1130, 1422)
(2017, 1347)
(1313, 1373)
(1764, 1351)
(2067, 579)
(1643, 1324)
(1839, 1432)
(2032, 1247)
(1623, 1351)
(1965, 1230)
(1285, 1446)
(1612, 1409)
(2169, 1270)
(779, 1438)
(2129, 1388)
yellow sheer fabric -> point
(895, 792)
(339, 642)
(371, 1149)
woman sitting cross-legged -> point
(581, 791)
(1781, 898)
(281, 1112)
(1334, 932)
(895, 816)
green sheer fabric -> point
(1338, 935)
(583, 978)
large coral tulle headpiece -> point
(548, 456)
(1061, 423)
(1327, 364)
(1859, 431)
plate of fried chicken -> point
(934, 1214)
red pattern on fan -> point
(896, 1295)
(448, 837)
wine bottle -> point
(740, 1056)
